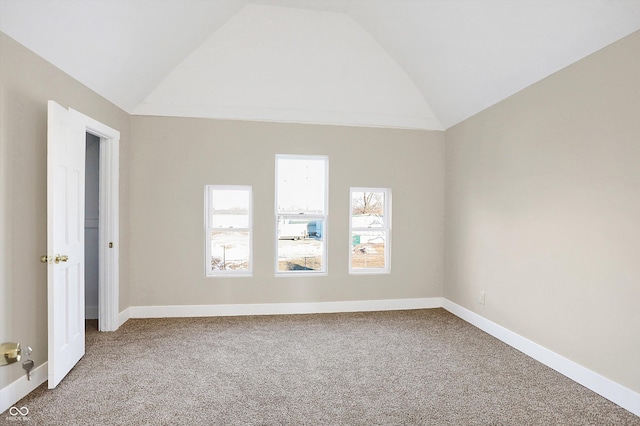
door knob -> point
(61, 258)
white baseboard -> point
(14, 392)
(123, 316)
(281, 308)
(624, 397)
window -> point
(228, 234)
(301, 208)
(370, 230)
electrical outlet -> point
(481, 298)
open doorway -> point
(101, 208)
(91, 230)
(108, 141)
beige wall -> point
(174, 158)
(543, 212)
(26, 83)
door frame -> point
(108, 221)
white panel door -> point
(65, 241)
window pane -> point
(367, 249)
(367, 210)
(301, 185)
(230, 220)
(230, 208)
(300, 245)
(230, 250)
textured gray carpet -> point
(423, 367)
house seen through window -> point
(301, 214)
(370, 228)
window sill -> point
(301, 274)
(370, 272)
(229, 276)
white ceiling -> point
(425, 64)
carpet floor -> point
(418, 367)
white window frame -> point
(386, 229)
(324, 217)
(209, 229)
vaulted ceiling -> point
(425, 64)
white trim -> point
(124, 316)
(109, 228)
(21, 387)
(282, 308)
(624, 397)
(109, 232)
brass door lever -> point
(57, 259)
